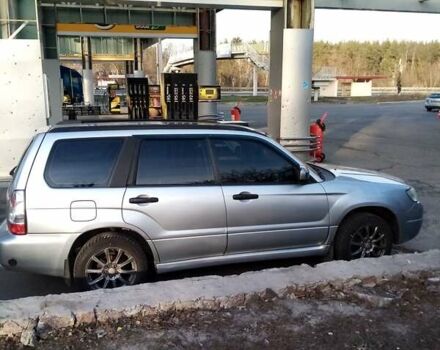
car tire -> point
(363, 235)
(428, 109)
(110, 260)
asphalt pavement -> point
(401, 139)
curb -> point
(52, 312)
(395, 102)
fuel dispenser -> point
(180, 96)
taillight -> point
(17, 213)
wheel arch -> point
(385, 213)
(146, 245)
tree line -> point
(416, 64)
(404, 63)
(408, 63)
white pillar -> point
(87, 72)
(275, 74)
(207, 75)
(88, 86)
(254, 81)
(296, 84)
(297, 76)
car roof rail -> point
(115, 124)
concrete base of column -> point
(88, 86)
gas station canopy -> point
(427, 6)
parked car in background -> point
(107, 204)
(432, 102)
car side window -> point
(167, 162)
(246, 161)
(82, 162)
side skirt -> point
(241, 258)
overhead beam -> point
(423, 6)
(220, 4)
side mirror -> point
(304, 174)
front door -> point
(267, 207)
(174, 199)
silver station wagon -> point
(108, 204)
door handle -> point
(143, 200)
(244, 196)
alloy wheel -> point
(110, 268)
(367, 241)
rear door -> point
(267, 207)
(174, 198)
(75, 185)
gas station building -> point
(36, 35)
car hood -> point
(362, 174)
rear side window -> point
(82, 162)
(182, 162)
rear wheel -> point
(110, 260)
(363, 235)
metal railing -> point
(225, 51)
(377, 91)
(11, 28)
(300, 144)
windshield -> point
(434, 96)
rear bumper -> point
(412, 223)
(38, 253)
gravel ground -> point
(370, 314)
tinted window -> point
(174, 162)
(435, 96)
(82, 163)
(242, 161)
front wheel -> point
(110, 260)
(428, 109)
(363, 235)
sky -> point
(336, 25)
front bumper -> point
(432, 104)
(37, 253)
(412, 223)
